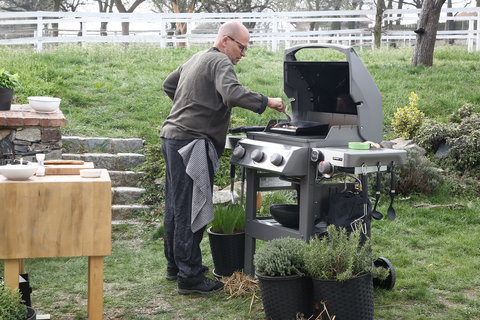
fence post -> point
(39, 44)
(189, 32)
(84, 32)
(274, 33)
(163, 34)
(470, 34)
(478, 29)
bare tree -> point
(26, 5)
(237, 6)
(183, 6)
(427, 32)
(104, 6)
(121, 8)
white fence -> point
(275, 30)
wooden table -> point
(57, 216)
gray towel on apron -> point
(195, 159)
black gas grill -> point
(333, 103)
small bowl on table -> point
(90, 173)
(44, 104)
(18, 172)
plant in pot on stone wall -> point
(12, 307)
(280, 268)
(342, 268)
(8, 82)
(227, 239)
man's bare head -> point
(232, 39)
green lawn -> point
(117, 92)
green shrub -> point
(154, 179)
(407, 120)
(340, 256)
(464, 152)
(462, 139)
(228, 219)
(418, 175)
(464, 112)
(7, 79)
(12, 306)
(432, 134)
(280, 257)
(276, 197)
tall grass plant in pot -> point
(227, 239)
(280, 268)
(8, 82)
(342, 269)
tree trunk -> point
(181, 27)
(377, 29)
(427, 33)
(399, 16)
(56, 8)
(389, 6)
(104, 6)
(450, 25)
(121, 8)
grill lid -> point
(334, 92)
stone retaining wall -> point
(24, 130)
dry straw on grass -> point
(239, 285)
(323, 315)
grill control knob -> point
(239, 152)
(325, 168)
(276, 159)
(257, 155)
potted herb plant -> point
(342, 269)
(227, 239)
(280, 268)
(8, 82)
(12, 306)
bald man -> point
(204, 89)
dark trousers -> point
(181, 245)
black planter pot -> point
(6, 96)
(348, 300)
(284, 297)
(228, 252)
(32, 314)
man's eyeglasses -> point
(243, 48)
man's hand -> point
(276, 104)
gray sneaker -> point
(205, 286)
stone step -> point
(126, 178)
(74, 144)
(128, 212)
(118, 162)
(127, 195)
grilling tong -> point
(390, 211)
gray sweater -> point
(204, 90)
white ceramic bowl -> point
(90, 173)
(18, 171)
(44, 104)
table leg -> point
(95, 288)
(11, 268)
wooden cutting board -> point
(61, 169)
(61, 161)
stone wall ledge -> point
(22, 115)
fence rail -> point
(275, 30)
